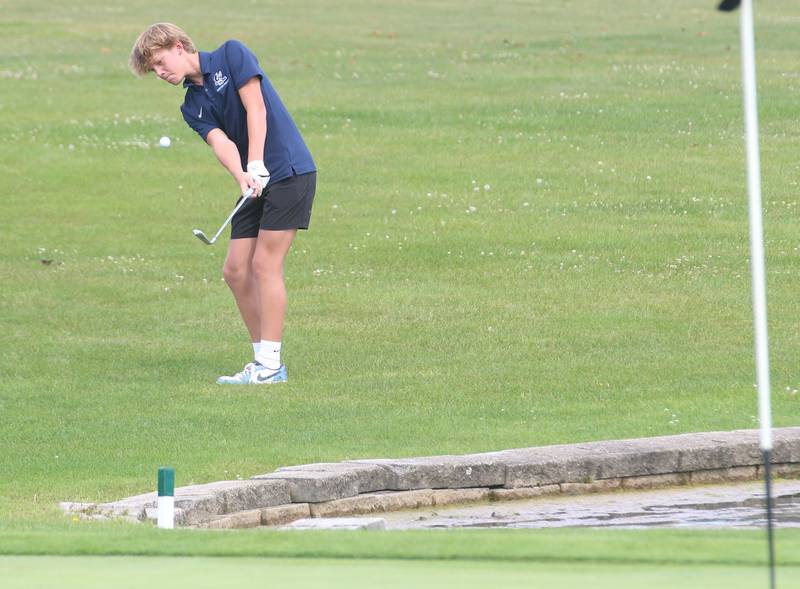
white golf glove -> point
(257, 170)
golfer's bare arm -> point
(226, 151)
(253, 102)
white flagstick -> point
(757, 259)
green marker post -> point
(166, 497)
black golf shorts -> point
(282, 205)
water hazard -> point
(738, 505)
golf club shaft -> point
(235, 210)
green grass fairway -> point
(530, 228)
(651, 546)
(198, 573)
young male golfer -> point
(232, 105)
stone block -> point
(551, 466)
(724, 475)
(785, 471)
(74, 507)
(242, 519)
(442, 472)
(312, 486)
(655, 480)
(456, 496)
(523, 493)
(786, 445)
(629, 458)
(134, 507)
(601, 486)
(368, 478)
(201, 503)
(283, 514)
(374, 503)
(583, 463)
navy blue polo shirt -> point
(217, 105)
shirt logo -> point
(220, 80)
(201, 112)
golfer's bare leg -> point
(271, 250)
(241, 279)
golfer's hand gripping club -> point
(202, 236)
(259, 172)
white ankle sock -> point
(269, 354)
(256, 348)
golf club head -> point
(242, 201)
(728, 5)
(202, 237)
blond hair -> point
(162, 35)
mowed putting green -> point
(197, 573)
(530, 228)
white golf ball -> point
(164, 142)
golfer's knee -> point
(235, 274)
(267, 268)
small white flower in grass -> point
(471, 209)
(486, 187)
(649, 177)
(539, 180)
(394, 211)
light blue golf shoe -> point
(255, 373)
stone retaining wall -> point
(372, 486)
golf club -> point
(202, 236)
